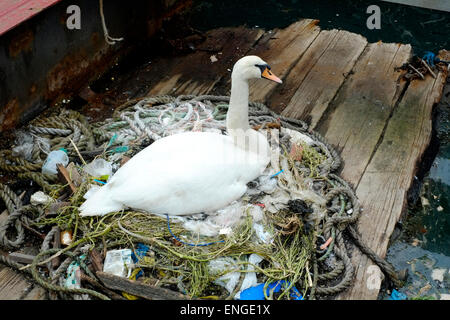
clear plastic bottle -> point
(53, 158)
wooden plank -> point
(138, 288)
(282, 95)
(12, 285)
(20, 257)
(195, 73)
(281, 50)
(356, 118)
(320, 73)
(37, 293)
(385, 183)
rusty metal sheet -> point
(14, 12)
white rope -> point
(110, 40)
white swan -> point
(193, 172)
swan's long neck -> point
(237, 116)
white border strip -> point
(442, 5)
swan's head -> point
(253, 67)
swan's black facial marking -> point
(267, 74)
(262, 67)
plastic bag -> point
(118, 262)
(53, 158)
(229, 280)
(98, 168)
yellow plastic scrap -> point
(132, 277)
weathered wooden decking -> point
(345, 87)
(348, 90)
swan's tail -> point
(99, 203)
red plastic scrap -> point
(326, 244)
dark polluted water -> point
(423, 243)
(424, 246)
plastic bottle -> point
(53, 158)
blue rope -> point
(99, 181)
(274, 175)
(186, 243)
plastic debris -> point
(431, 58)
(134, 276)
(229, 280)
(73, 279)
(299, 137)
(138, 254)
(326, 244)
(257, 292)
(40, 198)
(263, 235)
(250, 276)
(216, 222)
(140, 251)
(66, 237)
(118, 262)
(438, 274)
(99, 168)
(54, 158)
(397, 295)
(24, 145)
(267, 184)
(226, 231)
(257, 212)
(188, 243)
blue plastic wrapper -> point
(257, 292)
(396, 295)
(140, 251)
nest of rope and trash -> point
(284, 239)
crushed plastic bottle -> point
(55, 157)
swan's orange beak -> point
(269, 75)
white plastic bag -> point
(118, 263)
(98, 167)
(228, 280)
(250, 277)
(53, 158)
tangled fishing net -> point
(287, 229)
